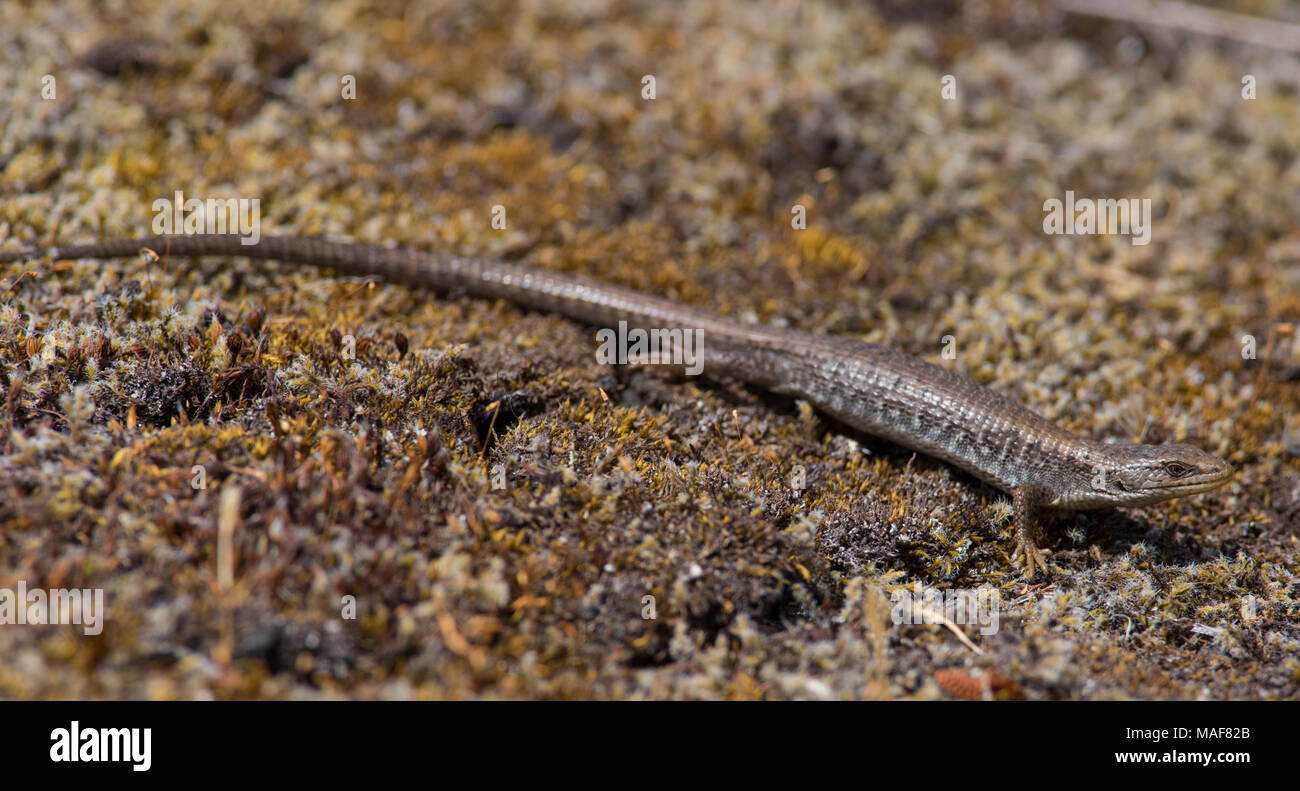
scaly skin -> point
(870, 387)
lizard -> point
(870, 387)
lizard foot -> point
(1033, 555)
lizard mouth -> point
(1218, 474)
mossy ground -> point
(371, 475)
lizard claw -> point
(1033, 556)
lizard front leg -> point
(1026, 502)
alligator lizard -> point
(870, 387)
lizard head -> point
(1131, 475)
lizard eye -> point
(1177, 469)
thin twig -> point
(1193, 19)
